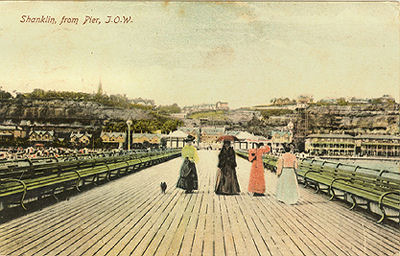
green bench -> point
(15, 191)
(376, 188)
(24, 172)
(331, 179)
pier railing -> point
(377, 190)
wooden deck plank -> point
(330, 210)
(298, 236)
(161, 233)
(87, 234)
(371, 230)
(223, 244)
(321, 238)
(179, 233)
(213, 242)
(110, 237)
(116, 235)
(117, 240)
(45, 232)
(244, 241)
(318, 236)
(277, 223)
(268, 234)
(52, 215)
(333, 232)
(188, 237)
(129, 216)
(98, 236)
(278, 235)
(261, 242)
(229, 240)
(339, 230)
(39, 216)
(176, 218)
(146, 235)
(127, 244)
(199, 234)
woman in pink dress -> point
(257, 180)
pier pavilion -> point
(347, 145)
(378, 145)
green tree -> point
(5, 95)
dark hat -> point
(189, 138)
(228, 142)
(287, 147)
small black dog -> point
(163, 186)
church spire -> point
(100, 88)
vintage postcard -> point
(200, 128)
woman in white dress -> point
(287, 187)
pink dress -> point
(257, 180)
(289, 160)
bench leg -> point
(383, 215)
(22, 201)
(306, 183)
(94, 180)
(54, 195)
(317, 189)
(333, 195)
(354, 202)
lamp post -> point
(129, 123)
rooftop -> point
(363, 136)
(330, 135)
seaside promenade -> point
(130, 216)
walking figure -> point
(188, 180)
(257, 180)
(227, 183)
(287, 187)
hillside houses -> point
(220, 105)
(41, 136)
(80, 138)
(11, 131)
(113, 139)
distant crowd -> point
(11, 153)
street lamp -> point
(129, 123)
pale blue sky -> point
(191, 53)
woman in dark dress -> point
(188, 180)
(227, 183)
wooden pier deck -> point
(130, 216)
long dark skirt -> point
(227, 183)
(188, 176)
